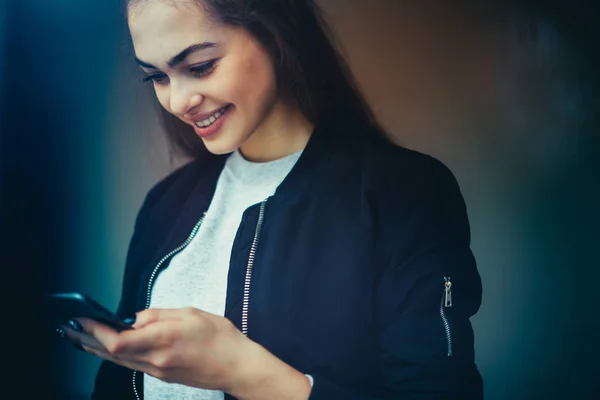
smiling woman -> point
(224, 86)
(300, 254)
(273, 64)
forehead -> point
(159, 28)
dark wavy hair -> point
(308, 66)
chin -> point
(219, 147)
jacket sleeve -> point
(425, 348)
(114, 381)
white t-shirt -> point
(197, 276)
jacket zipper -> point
(246, 299)
(153, 276)
(446, 303)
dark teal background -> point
(80, 147)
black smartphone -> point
(66, 306)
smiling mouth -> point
(211, 120)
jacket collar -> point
(304, 177)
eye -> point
(158, 78)
(203, 69)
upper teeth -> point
(210, 120)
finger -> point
(152, 315)
(90, 326)
(155, 331)
(108, 340)
(99, 353)
(63, 335)
(81, 338)
(125, 362)
(106, 336)
(103, 338)
(142, 342)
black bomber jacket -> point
(359, 266)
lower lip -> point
(214, 127)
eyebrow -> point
(181, 56)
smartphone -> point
(66, 306)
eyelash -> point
(198, 71)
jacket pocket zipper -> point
(447, 303)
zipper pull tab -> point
(447, 292)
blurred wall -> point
(507, 102)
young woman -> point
(302, 254)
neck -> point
(285, 131)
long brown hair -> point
(308, 66)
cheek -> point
(254, 83)
(162, 94)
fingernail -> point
(75, 325)
(130, 321)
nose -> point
(184, 100)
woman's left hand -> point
(186, 346)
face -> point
(218, 79)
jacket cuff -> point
(310, 378)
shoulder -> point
(173, 190)
(412, 193)
(384, 162)
(397, 171)
(177, 178)
(394, 180)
